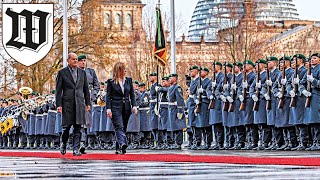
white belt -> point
(173, 103)
(203, 96)
(38, 115)
(45, 114)
(163, 103)
(95, 105)
(191, 96)
(153, 100)
(55, 111)
(144, 109)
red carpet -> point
(302, 161)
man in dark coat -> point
(72, 100)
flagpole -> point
(65, 32)
(173, 38)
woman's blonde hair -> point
(118, 71)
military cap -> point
(217, 63)
(272, 58)
(165, 78)
(4, 101)
(81, 57)
(229, 65)
(194, 67)
(10, 100)
(142, 84)
(53, 91)
(249, 62)
(285, 58)
(135, 82)
(262, 61)
(102, 83)
(240, 64)
(316, 54)
(173, 75)
(153, 74)
(300, 56)
(205, 69)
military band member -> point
(214, 91)
(177, 121)
(196, 133)
(235, 116)
(4, 112)
(94, 87)
(202, 118)
(298, 110)
(52, 137)
(312, 115)
(251, 129)
(163, 111)
(153, 103)
(285, 132)
(274, 75)
(144, 108)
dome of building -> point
(211, 15)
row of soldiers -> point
(272, 104)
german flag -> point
(160, 41)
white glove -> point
(310, 78)
(267, 97)
(196, 101)
(254, 98)
(211, 97)
(214, 84)
(225, 86)
(292, 94)
(306, 93)
(245, 84)
(135, 110)
(296, 81)
(200, 90)
(258, 84)
(156, 111)
(241, 98)
(283, 81)
(279, 95)
(234, 86)
(223, 98)
(269, 82)
(229, 99)
(157, 88)
(179, 115)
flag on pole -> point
(160, 41)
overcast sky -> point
(307, 9)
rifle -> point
(293, 102)
(308, 100)
(244, 92)
(211, 105)
(268, 103)
(198, 107)
(226, 104)
(233, 92)
(256, 104)
(283, 87)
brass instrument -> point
(100, 99)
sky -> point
(307, 9)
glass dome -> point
(211, 15)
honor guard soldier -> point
(133, 127)
(202, 116)
(285, 132)
(94, 87)
(177, 121)
(273, 75)
(194, 74)
(313, 94)
(214, 91)
(257, 91)
(153, 103)
(251, 129)
(144, 109)
(163, 111)
(298, 100)
(235, 117)
(52, 137)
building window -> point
(118, 18)
(106, 19)
(128, 19)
